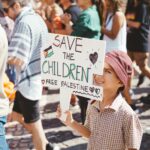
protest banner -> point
(70, 63)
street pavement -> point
(67, 139)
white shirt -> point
(8, 25)
(27, 41)
(119, 43)
(4, 102)
(31, 89)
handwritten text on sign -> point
(70, 62)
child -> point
(110, 124)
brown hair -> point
(21, 2)
(117, 4)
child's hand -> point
(69, 119)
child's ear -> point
(121, 84)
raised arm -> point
(74, 124)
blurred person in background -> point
(28, 39)
(53, 9)
(8, 25)
(37, 4)
(4, 102)
(124, 5)
(52, 15)
(50, 11)
(138, 16)
(88, 22)
(138, 21)
(114, 27)
(70, 7)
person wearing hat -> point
(110, 124)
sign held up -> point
(70, 63)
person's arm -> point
(79, 127)
(133, 24)
(66, 19)
(49, 25)
(20, 45)
(68, 28)
(74, 124)
(140, 17)
(15, 61)
(118, 20)
(67, 31)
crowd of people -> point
(123, 24)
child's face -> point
(109, 80)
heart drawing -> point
(97, 91)
(92, 89)
(93, 57)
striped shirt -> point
(28, 39)
(116, 128)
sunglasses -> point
(7, 9)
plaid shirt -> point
(116, 128)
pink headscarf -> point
(122, 65)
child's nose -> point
(98, 79)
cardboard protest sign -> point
(70, 63)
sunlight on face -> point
(109, 80)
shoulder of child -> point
(127, 110)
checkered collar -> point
(114, 106)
